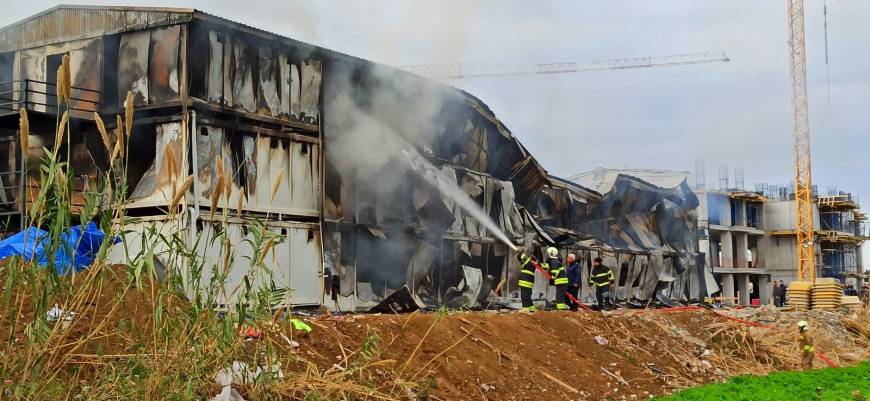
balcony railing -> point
(42, 97)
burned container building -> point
(342, 158)
(641, 223)
(210, 91)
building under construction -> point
(749, 238)
(358, 223)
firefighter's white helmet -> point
(553, 252)
(803, 325)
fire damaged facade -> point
(318, 145)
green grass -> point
(835, 384)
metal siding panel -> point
(295, 85)
(34, 68)
(264, 172)
(305, 182)
(310, 91)
(270, 104)
(70, 23)
(215, 80)
(306, 266)
(249, 155)
(285, 85)
(241, 262)
(208, 150)
(243, 85)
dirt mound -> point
(132, 340)
(553, 355)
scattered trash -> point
(706, 365)
(57, 314)
(77, 250)
(601, 340)
(300, 325)
(338, 367)
(239, 372)
(293, 344)
(487, 387)
(251, 333)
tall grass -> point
(164, 322)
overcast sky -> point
(737, 113)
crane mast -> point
(477, 70)
(803, 184)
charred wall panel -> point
(86, 72)
(155, 186)
(133, 66)
(243, 78)
(284, 84)
(305, 176)
(33, 68)
(310, 76)
(163, 67)
(215, 74)
(263, 173)
(269, 77)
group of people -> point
(779, 293)
(566, 278)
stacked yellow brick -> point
(827, 294)
(799, 293)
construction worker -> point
(806, 344)
(527, 280)
(574, 278)
(601, 278)
(864, 294)
(558, 277)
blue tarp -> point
(77, 252)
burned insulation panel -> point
(155, 186)
(261, 172)
(163, 71)
(243, 79)
(133, 66)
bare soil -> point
(547, 355)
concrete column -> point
(727, 286)
(743, 289)
(740, 215)
(765, 291)
(727, 249)
(741, 245)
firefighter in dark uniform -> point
(527, 280)
(558, 277)
(601, 278)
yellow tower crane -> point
(803, 183)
